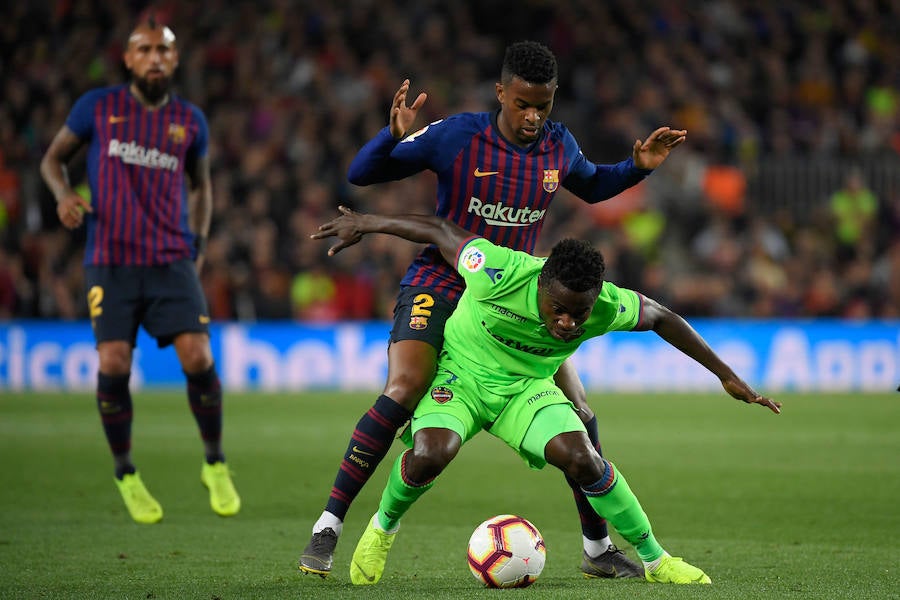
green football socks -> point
(398, 496)
(618, 505)
(615, 502)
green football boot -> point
(142, 507)
(367, 564)
(673, 569)
(223, 498)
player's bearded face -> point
(154, 86)
(152, 58)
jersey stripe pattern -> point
(491, 187)
(136, 171)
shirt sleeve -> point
(384, 158)
(483, 266)
(629, 312)
(81, 117)
(595, 182)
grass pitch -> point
(801, 505)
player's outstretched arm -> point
(402, 117)
(374, 162)
(678, 332)
(351, 226)
(650, 153)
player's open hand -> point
(402, 116)
(346, 227)
(71, 210)
(743, 392)
(650, 153)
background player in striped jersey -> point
(497, 173)
(146, 229)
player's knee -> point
(577, 394)
(115, 358)
(407, 389)
(426, 466)
(432, 452)
(585, 465)
(194, 353)
(196, 363)
(578, 397)
(585, 413)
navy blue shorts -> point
(167, 300)
(420, 314)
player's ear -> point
(498, 88)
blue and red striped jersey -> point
(136, 171)
(486, 184)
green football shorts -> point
(525, 421)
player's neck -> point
(133, 88)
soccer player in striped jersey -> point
(146, 229)
(497, 173)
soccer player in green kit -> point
(519, 318)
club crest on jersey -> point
(472, 259)
(418, 323)
(551, 180)
(177, 134)
(441, 395)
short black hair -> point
(530, 61)
(575, 264)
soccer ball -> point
(506, 551)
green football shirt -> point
(496, 332)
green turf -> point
(801, 505)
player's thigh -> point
(524, 418)
(115, 303)
(417, 337)
(452, 402)
(411, 367)
(174, 302)
(551, 423)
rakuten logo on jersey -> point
(504, 216)
(132, 154)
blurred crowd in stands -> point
(292, 90)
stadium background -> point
(783, 100)
(787, 105)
